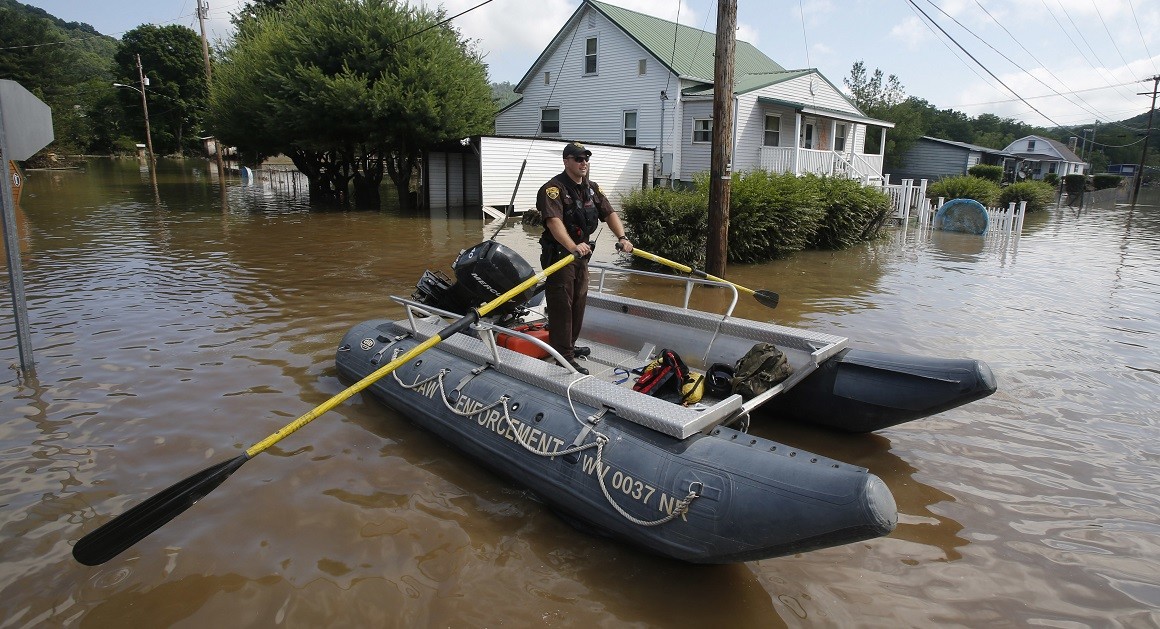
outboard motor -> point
(482, 273)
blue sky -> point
(1074, 61)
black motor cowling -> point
(482, 273)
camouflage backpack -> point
(759, 370)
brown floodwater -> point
(171, 333)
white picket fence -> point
(909, 199)
(1000, 220)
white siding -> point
(751, 131)
(592, 106)
(695, 156)
(798, 91)
(618, 170)
(452, 180)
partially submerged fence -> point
(909, 200)
(1003, 220)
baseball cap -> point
(576, 149)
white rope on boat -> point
(679, 509)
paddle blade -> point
(132, 526)
(767, 298)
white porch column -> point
(797, 142)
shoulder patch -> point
(553, 192)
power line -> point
(1139, 30)
(987, 70)
(952, 50)
(1089, 107)
(1110, 38)
(1090, 89)
(1085, 41)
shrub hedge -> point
(965, 187)
(1037, 194)
(771, 216)
(990, 172)
(1103, 182)
(669, 223)
(854, 213)
(1074, 184)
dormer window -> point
(1030, 145)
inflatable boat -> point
(680, 479)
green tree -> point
(172, 61)
(876, 92)
(503, 94)
(349, 104)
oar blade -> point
(767, 298)
(118, 534)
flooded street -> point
(174, 333)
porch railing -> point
(789, 159)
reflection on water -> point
(169, 335)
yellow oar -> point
(767, 298)
(130, 527)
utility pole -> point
(720, 159)
(202, 13)
(1144, 152)
(148, 133)
(145, 110)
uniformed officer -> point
(572, 205)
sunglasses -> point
(578, 159)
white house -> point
(620, 77)
(1042, 156)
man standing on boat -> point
(572, 205)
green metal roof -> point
(686, 51)
(749, 82)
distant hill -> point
(41, 50)
(79, 27)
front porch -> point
(801, 161)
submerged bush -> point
(854, 213)
(1037, 194)
(989, 172)
(771, 216)
(965, 187)
(1074, 184)
(669, 223)
(1103, 182)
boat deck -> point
(625, 334)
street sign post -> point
(25, 128)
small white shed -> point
(481, 171)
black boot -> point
(580, 350)
(577, 366)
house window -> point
(547, 78)
(590, 56)
(702, 130)
(630, 128)
(1030, 145)
(772, 130)
(839, 137)
(642, 67)
(550, 120)
(1051, 167)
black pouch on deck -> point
(759, 370)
